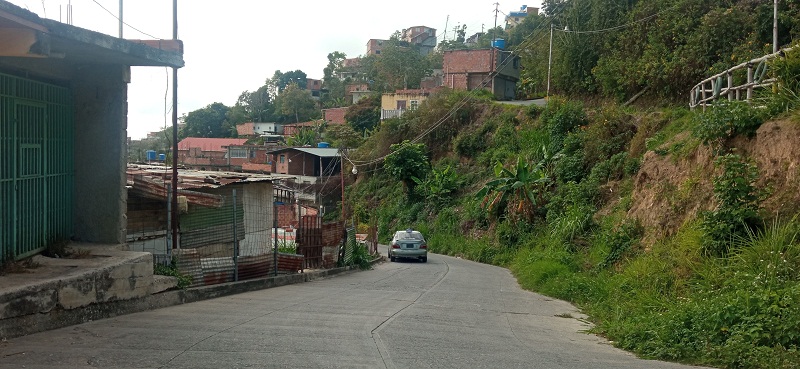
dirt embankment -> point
(670, 191)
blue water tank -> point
(499, 43)
(323, 144)
(151, 155)
(162, 157)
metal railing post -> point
(235, 242)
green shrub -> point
(786, 70)
(561, 117)
(171, 270)
(361, 257)
(725, 120)
(737, 205)
(620, 240)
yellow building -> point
(393, 105)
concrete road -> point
(447, 313)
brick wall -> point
(468, 61)
(287, 215)
(334, 116)
(332, 233)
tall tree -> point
(209, 121)
(365, 114)
(296, 105)
(334, 86)
(256, 106)
(280, 81)
(397, 67)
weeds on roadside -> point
(171, 270)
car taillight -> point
(423, 246)
(395, 246)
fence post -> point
(235, 242)
(749, 81)
(730, 86)
(275, 240)
(168, 239)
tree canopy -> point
(296, 105)
(209, 121)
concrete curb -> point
(59, 318)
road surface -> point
(447, 313)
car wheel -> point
(424, 259)
(392, 258)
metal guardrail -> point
(752, 72)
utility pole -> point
(174, 133)
(775, 28)
(445, 27)
(496, 10)
(549, 61)
(120, 19)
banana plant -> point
(517, 191)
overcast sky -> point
(235, 45)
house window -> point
(413, 104)
(401, 104)
(377, 51)
(283, 159)
(238, 153)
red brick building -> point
(334, 115)
(492, 69)
(375, 46)
(206, 153)
(314, 86)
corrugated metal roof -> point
(189, 179)
(323, 152)
(209, 144)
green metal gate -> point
(36, 166)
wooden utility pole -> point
(496, 10)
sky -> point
(233, 46)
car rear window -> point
(408, 236)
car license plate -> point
(409, 246)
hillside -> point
(675, 232)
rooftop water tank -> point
(499, 43)
(323, 144)
(162, 157)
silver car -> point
(408, 244)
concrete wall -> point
(101, 108)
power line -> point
(132, 27)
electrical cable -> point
(132, 27)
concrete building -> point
(307, 164)
(357, 91)
(492, 69)
(421, 37)
(375, 46)
(515, 18)
(393, 105)
(314, 86)
(63, 130)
